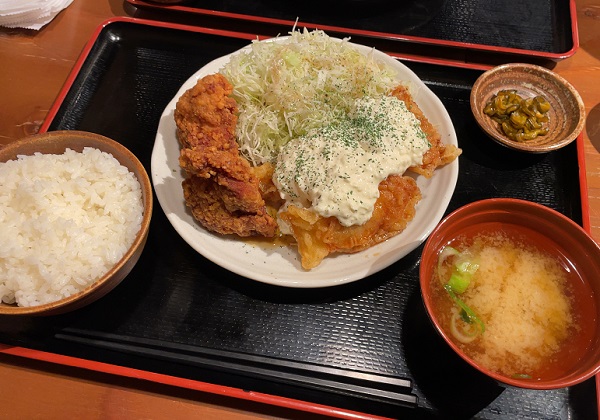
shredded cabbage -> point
(287, 89)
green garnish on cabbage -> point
(285, 89)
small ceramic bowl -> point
(566, 114)
(561, 238)
(56, 142)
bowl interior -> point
(566, 115)
(56, 142)
(553, 233)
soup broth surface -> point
(524, 294)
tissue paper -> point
(30, 14)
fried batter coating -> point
(318, 236)
(439, 154)
(221, 188)
(268, 190)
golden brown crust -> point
(438, 154)
(221, 188)
(206, 115)
(318, 236)
(210, 205)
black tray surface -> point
(543, 26)
(366, 346)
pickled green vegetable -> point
(520, 119)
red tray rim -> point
(384, 35)
(206, 387)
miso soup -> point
(513, 304)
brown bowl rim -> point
(101, 286)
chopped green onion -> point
(462, 272)
(470, 315)
(464, 334)
(521, 376)
(461, 276)
(465, 317)
(467, 267)
(459, 283)
(447, 252)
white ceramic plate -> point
(281, 265)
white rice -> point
(65, 220)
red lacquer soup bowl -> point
(551, 235)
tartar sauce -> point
(336, 170)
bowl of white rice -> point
(75, 209)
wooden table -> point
(33, 67)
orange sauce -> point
(279, 241)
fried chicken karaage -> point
(221, 189)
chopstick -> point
(363, 385)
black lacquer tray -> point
(367, 346)
(540, 28)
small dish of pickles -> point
(527, 107)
